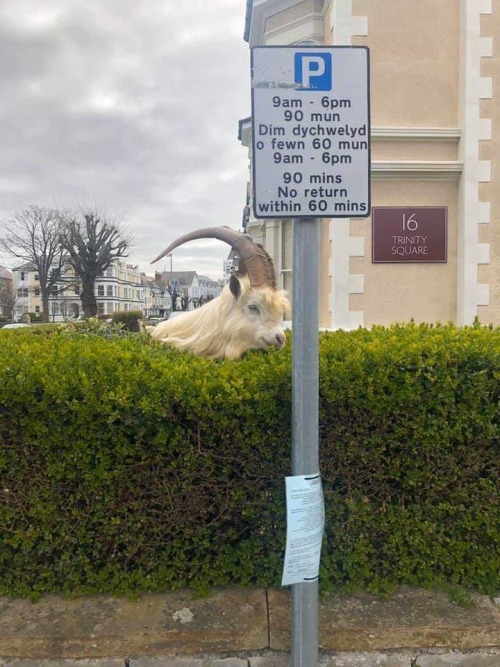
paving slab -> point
(33, 662)
(165, 661)
(282, 660)
(410, 618)
(176, 661)
(458, 660)
(372, 659)
(228, 621)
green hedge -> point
(128, 467)
(129, 318)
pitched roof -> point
(5, 274)
(182, 277)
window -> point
(22, 291)
(109, 290)
(37, 277)
(77, 289)
(37, 309)
(100, 308)
(100, 290)
(23, 275)
(37, 291)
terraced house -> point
(119, 288)
(435, 139)
(6, 293)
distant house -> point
(26, 288)
(119, 288)
(122, 287)
(6, 293)
(209, 288)
(188, 289)
(231, 264)
(157, 299)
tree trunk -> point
(89, 302)
(45, 307)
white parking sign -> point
(311, 131)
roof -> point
(181, 277)
(27, 266)
(5, 274)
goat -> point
(247, 314)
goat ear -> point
(235, 286)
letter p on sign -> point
(313, 72)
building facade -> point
(122, 287)
(189, 289)
(435, 134)
(6, 292)
(157, 299)
(119, 288)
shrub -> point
(130, 319)
(126, 466)
(35, 317)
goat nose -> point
(280, 339)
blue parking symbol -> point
(313, 71)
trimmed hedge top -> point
(126, 466)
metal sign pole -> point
(310, 159)
(305, 414)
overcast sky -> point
(133, 104)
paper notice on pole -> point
(305, 515)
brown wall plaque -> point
(416, 234)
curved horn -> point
(254, 260)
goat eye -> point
(253, 308)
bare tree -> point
(92, 241)
(203, 299)
(33, 236)
(185, 301)
(174, 294)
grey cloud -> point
(135, 104)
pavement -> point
(248, 627)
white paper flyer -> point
(305, 515)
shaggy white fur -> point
(240, 319)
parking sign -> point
(311, 131)
(313, 72)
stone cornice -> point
(448, 170)
(416, 133)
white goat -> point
(247, 315)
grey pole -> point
(305, 414)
